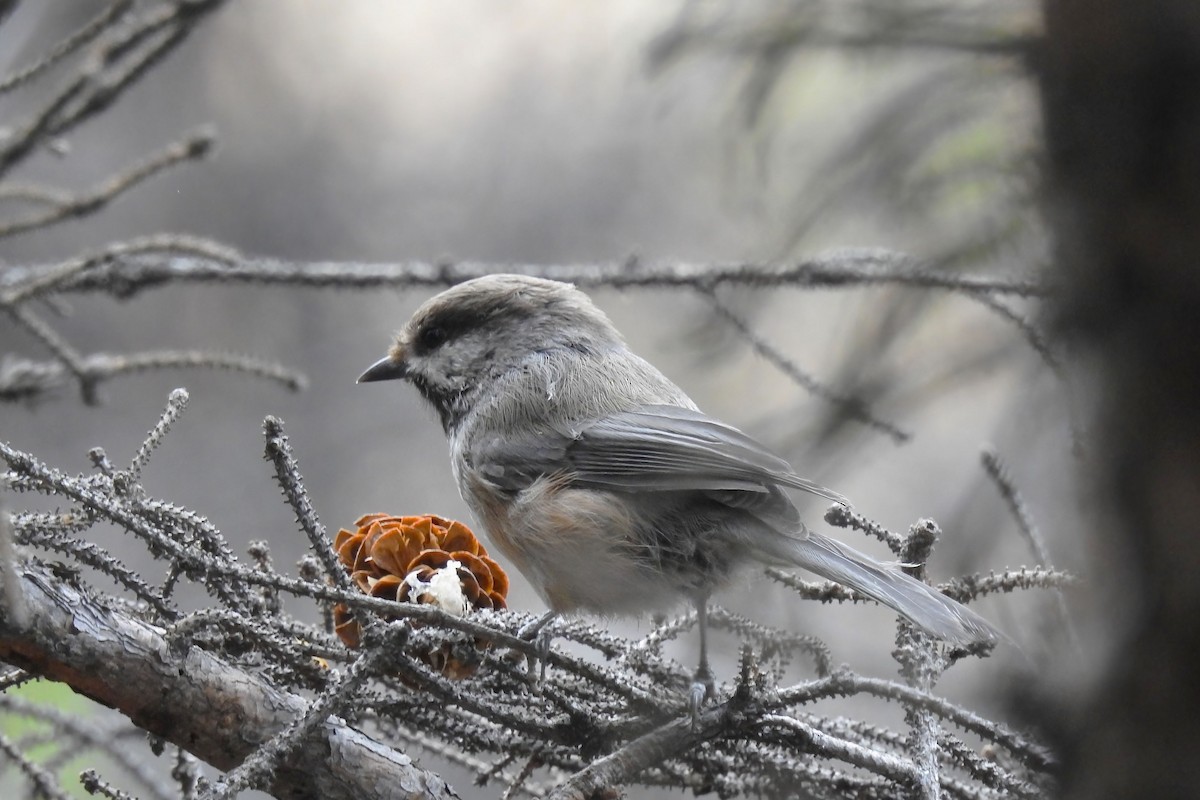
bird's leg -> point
(537, 631)
(702, 683)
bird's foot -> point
(702, 689)
(540, 634)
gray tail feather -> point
(921, 604)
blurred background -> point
(537, 133)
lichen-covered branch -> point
(191, 697)
(845, 268)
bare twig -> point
(56, 344)
(848, 268)
(259, 768)
(617, 768)
(1033, 337)
(279, 451)
(996, 470)
(1028, 752)
(66, 47)
(969, 587)
(123, 56)
(989, 772)
(854, 407)
(921, 667)
(62, 205)
(813, 740)
(94, 784)
(72, 732)
(22, 380)
(22, 284)
(841, 516)
(39, 779)
(999, 475)
(176, 403)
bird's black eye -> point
(431, 337)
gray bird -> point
(600, 480)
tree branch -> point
(126, 273)
(216, 711)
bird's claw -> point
(541, 656)
(702, 689)
(538, 632)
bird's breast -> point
(576, 547)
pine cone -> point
(408, 559)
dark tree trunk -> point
(1121, 91)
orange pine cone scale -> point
(397, 558)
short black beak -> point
(385, 369)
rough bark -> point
(189, 697)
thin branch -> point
(771, 641)
(60, 347)
(279, 451)
(93, 555)
(94, 784)
(82, 732)
(485, 771)
(41, 780)
(87, 33)
(613, 770)
(1033, 755)
(841, 516)
(848, 268)
(988, 772)
(13, 678)
(22, 381)
(1033, 337)
(176, 404)
(854, 407)
(120, 59)
(63, 206)
(260, 767)
(967, 588)
(817, 742)
(821, 591)
(920, 667)
(998, 473)
(22, 284)
(1000, 477)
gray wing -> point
(651, 448)
(673, 449)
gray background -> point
(540, 132)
